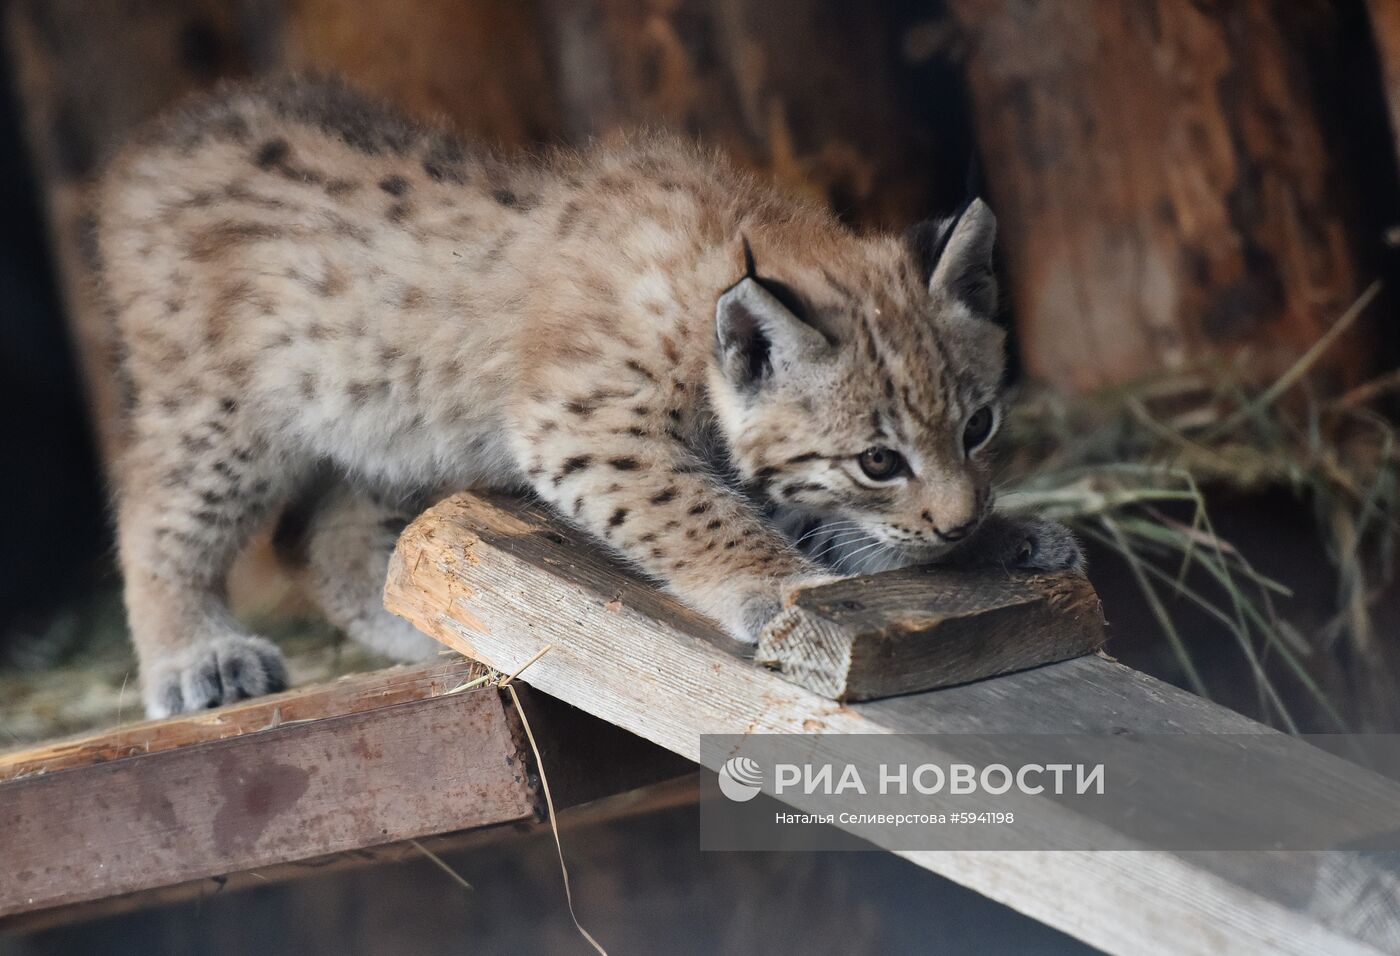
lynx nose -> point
(952, 512)
(958, 533)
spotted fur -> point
(684, 361)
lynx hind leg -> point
(192, 491)
(348, 541)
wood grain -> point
(1164, 183)
(285, 783)
(349, 695)
(638, 660)
(922, 628)
(678, 791)
(479, 63)
(296, 791)
(811, 92)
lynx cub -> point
(720, 383)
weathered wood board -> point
(488, 579)
(361, 762)
(649, 798)
(352, 694)
(298, 790)
(922, 628)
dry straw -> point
(1126, 468)
(496, 679)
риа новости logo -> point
(740, 779)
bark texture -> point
(478, 63)
(809, 90)
(1385, 29)
(1164, 187)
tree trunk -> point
(1163, 185)
(479, 63)
(805, 89)
(1385, 29)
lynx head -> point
(857, 379)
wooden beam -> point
(678, 791)
(294, 791)
(311, 773)
(495, 581)
(921, 628)
(353, 694)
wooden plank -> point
(678, 791)
(352, 694)
(384, 756)
(492, 580)
(295, 791)
(921, 628)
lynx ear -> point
(955, 256)
(757, 336)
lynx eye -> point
(881, 464)
(978, 429)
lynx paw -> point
(752, 616)
(754, 612)
(214, 673)
(1039, 545)
(1029, 544)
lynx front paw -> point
(1047, 546)
(753, 612)
(752, 615)
(1030, 544)
(214, 673)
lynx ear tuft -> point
(741, 342)
(758, 334)
(955, 256)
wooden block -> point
(922, 628)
